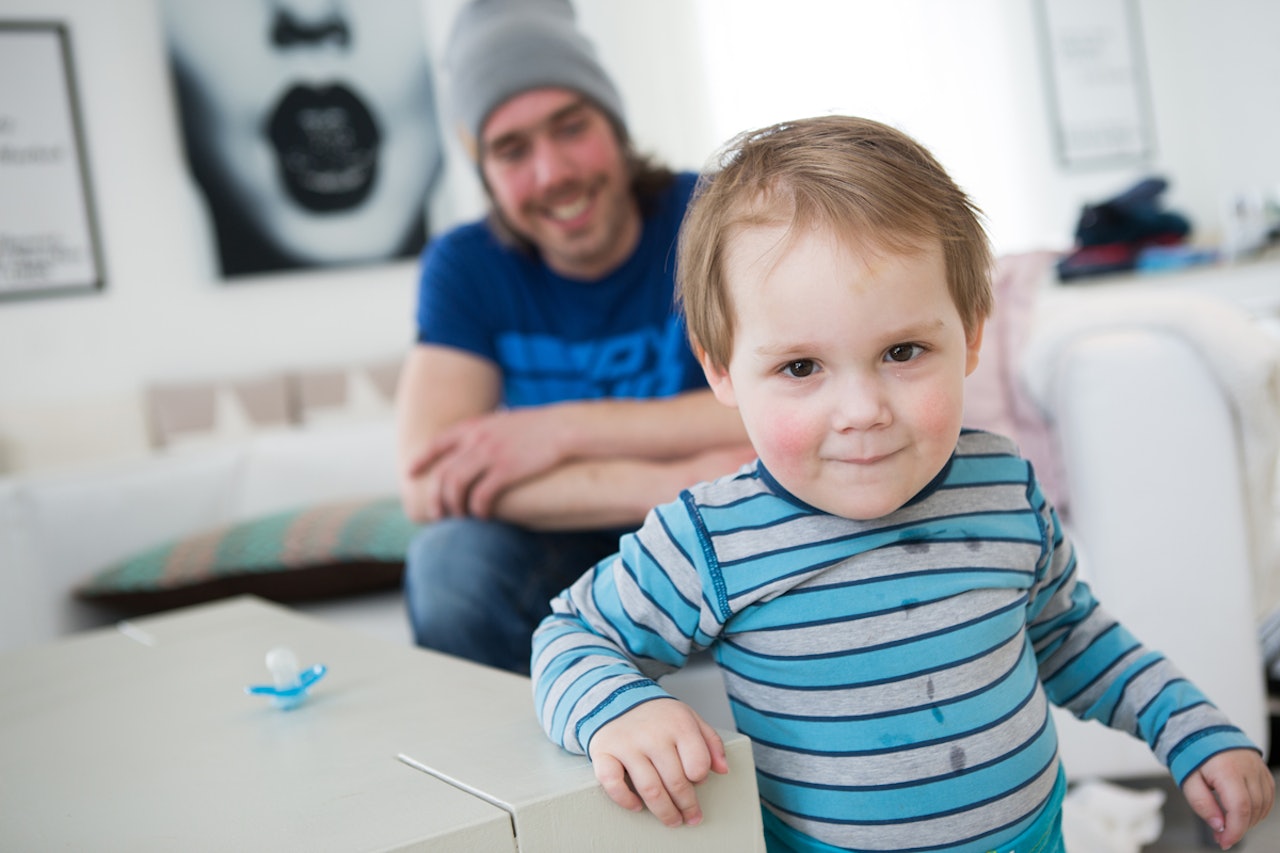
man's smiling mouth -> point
(569, 210)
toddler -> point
(890, 598)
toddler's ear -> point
(718, 378)
(973, 343)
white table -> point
(145, 740)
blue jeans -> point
(478, 589)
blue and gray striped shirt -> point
(894, 675)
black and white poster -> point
(48, 236)
(310, 128)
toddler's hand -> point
(1232, 792)
(663, 748)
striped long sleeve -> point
(894, 675)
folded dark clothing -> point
(1109, 258)
(1132, 216)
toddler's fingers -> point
(1267, 796)
(678, 788)
(1202, 801)
(657, 792)
(719, 762)
(1265, 793)
(1245, 805)
(695, 759)
(1239, 817)
(613, 778)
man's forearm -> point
(608, 493)
(662, 429)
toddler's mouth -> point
(326, 144)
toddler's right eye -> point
(799, 368)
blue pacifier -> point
(291, 685)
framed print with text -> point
(1097, 81)
(48, 236)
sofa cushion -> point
(330, 463)
(314, 552)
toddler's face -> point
(848, 366)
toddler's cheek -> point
(939, 415)
(783, 441)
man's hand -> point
(654, 755)
(1231, 792)
(469, 464)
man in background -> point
(551, 398)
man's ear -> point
(973, 343)
(718, 378)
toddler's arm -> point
(1232, 792)
(663, 748)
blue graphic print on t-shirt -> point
(645, 363)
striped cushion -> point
(307, 553)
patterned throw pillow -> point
(314, 552)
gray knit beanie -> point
(500, 48)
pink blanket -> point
(994, 397)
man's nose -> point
(551, 163)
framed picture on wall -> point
(48, 235)
(1097, 81)
(310, 129)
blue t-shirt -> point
(554, 338)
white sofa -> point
(1165, 488)
(58, 528)
(1150, 447)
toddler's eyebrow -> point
(907, 332)
(921, 328)
(785, 350)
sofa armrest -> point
(20, 577)
(1153, 466)
(70, 524)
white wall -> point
(966, 78)
(963, 76)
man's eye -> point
(800, 368)
(572, 128)
(903, 352)
(507, 153)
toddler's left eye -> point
(902, 352)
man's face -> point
(848, 366)
(558, 175)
